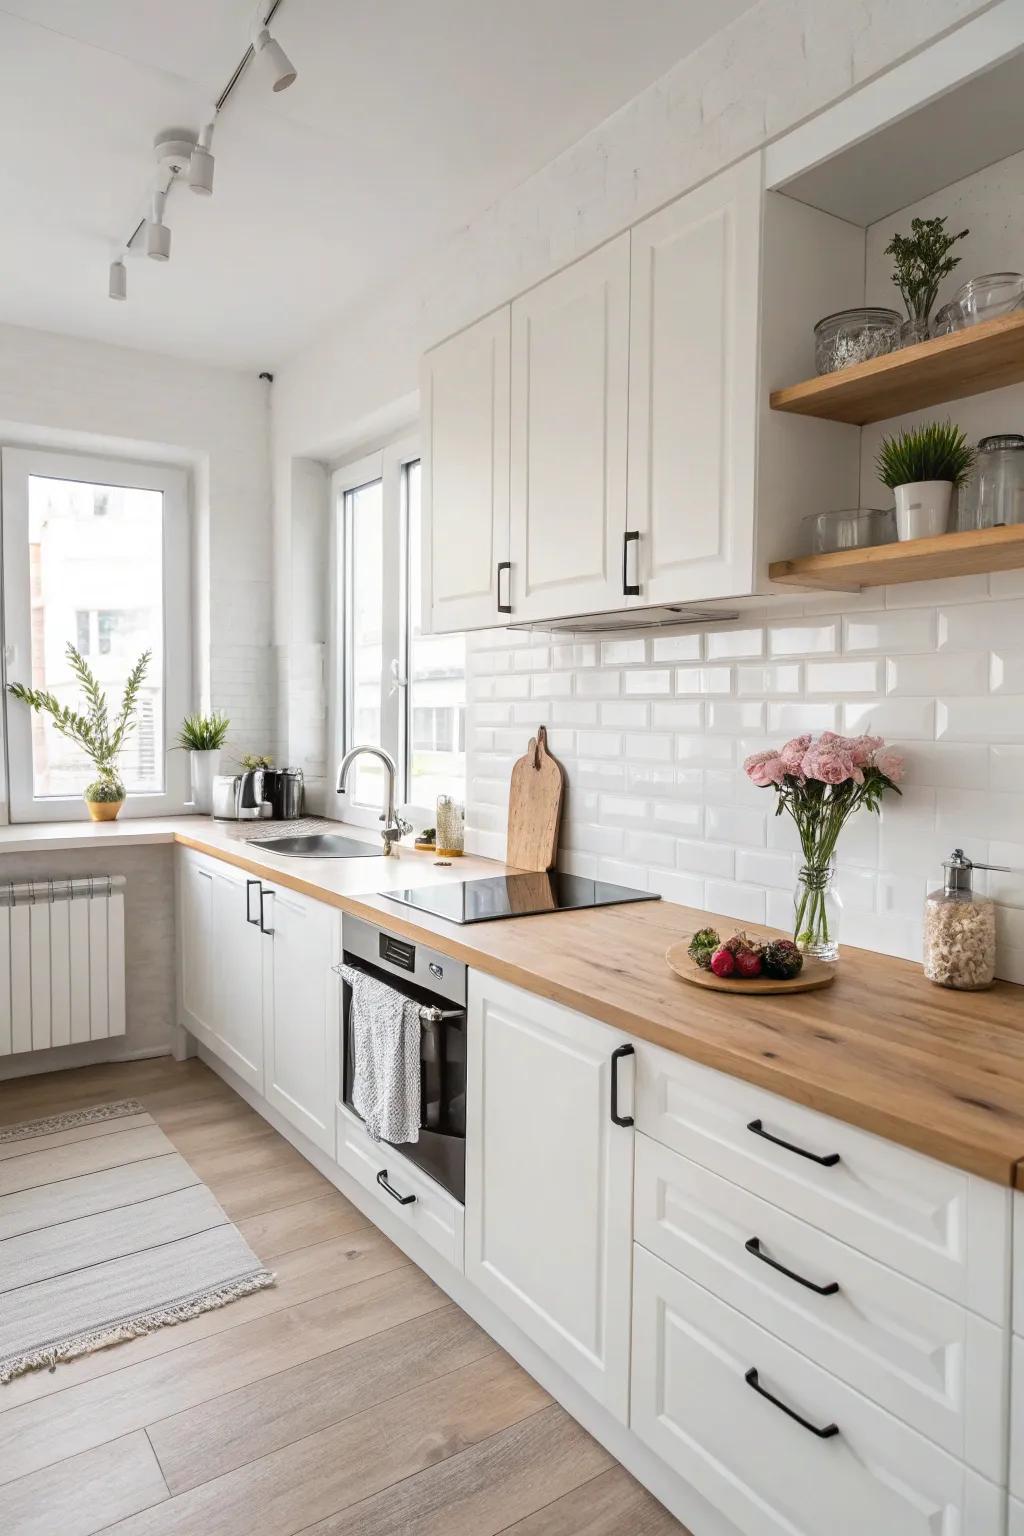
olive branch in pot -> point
(92, 730)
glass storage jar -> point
(959, 930)
(451, 820)
(984, 298)
(853, 528)
(854, 335)
(995, 492)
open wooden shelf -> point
(951, 554)
(968, 362)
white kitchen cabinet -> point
(221, 991)
(301, 1011)
(464, 396)
(549, 1180)
(693, 399)
(1016, 1525)
(570, 379)
(781, 1447)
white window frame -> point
(387, 465)
(17, 465)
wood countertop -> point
(936, 1070)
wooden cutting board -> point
(815, 974)
(535, 807)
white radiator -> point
(61, 962)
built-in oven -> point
(438, 985)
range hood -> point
(631, 618)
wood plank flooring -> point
(352, 1399)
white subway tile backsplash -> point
(977, 626)
(746, 902)
(619, 872)
(1006, 766)
(616, 653)
(621, 808)
(734, 824)
(599, 743)
(1006, 673)
(551, 685)
(797, 639)
(630, 715)
(832, 677)
(952, 673)
(895, 719)
(795, 719)
(650, 848)
(772, 679)
(598, 775)
(685, 890)
(731, 716)
(677, 717)
(649, 682)
(569, 711)
(704, 680)
(929, 594)
(912, 630)
(676, 647)
(761, 868)
(599, 684)
(947, 765)
(679, 815)
(990, 720)
(705, 858)
(705, 750)
(533, 660)
(722, 644)
(648, 746)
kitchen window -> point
(95, 552)
(397, 688)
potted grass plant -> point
(202, 737)
(92, 730)
(922, 467)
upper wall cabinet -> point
(465, 403)
(695, 281)
(570, 375)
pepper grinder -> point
(960, 928)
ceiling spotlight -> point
(281, 67)
(200, 165)
(118, 287)
(158, 234)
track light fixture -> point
(158, 234)
(282, 69)
(200, 165)
(118, 286)
(179, 151)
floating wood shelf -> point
(986, 356)
(951, 554)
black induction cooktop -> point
(521, 895)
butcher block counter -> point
(882, 1048)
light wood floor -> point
(352, 1399)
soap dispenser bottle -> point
(960, 929)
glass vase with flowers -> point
(821, 783)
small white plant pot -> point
(203, 767)
(922, 509)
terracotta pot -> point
(103, 810)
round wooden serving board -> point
(815, 974)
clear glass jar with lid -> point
(995, 491)
(960, 929)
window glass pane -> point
(364, 655)
(96, 572)
(437, 686)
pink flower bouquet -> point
(821, 783)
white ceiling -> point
(409, 117)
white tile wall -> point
(657, 795)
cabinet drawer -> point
(433, 1214)
(694, 1403)
(925, 1358)
(1016, 1526)
(930, 1221)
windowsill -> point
(134, 831)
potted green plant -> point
(202, 737)
(91, 730)
(922, 261)
(922, 467)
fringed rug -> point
(105, 1234)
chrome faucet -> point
(394, 827)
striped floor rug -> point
(106, 1233)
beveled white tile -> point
(722, 644)
(551, 685)
(947, 765)
(599, 775)
(598, 684)
(832, 677)
(733, 824)
(599, 744)
(982, 626)
(648, 681)
(758, 867)
(700, 680)
(705, 750)
(1006, 766)
(649, 847)
(678, 717)
(627, 716)
(731, 716)
(745, 902)
(1006, 672)
(796, 639)
(950, 673)
(989, 720)
(623, 808)
(616, 653)
(676, 647)
(619, 872)
(680, 816)
(929, 594)
(649, 746)
(570, 711)
(895, 719)
(773, 678)
(913, 629)
(687, 890)
(705, 858)
(536, 659)
(794, 719)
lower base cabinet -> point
(549, 1178)
(1016, 1526)
(406, 1193)
(781, 1447)
(221, 963)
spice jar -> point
(450, 826)
(960, 929)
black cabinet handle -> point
(506, 566)
(753, 1245)
(826, 1162)
(263, 926)
(629, 589)
(617, 1055)
(382, 1180)
(248, 904)
(823, 1434)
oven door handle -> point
(382, 1180)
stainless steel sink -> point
(322, 845)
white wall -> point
(69, 393)
(773, 68)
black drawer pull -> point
(263, 926)
(823, 1434)
(753, 1245)
(826, 1162)
(248, 904)
(382, 1180)
(617, 1055)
